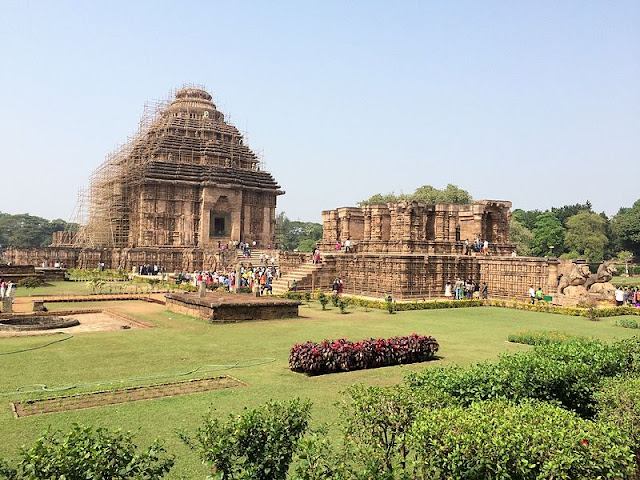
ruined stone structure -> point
(185, 184)
(410, 250)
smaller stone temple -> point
(414, 227)
(411, 250)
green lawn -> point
(180, 344)
(84, 288)
(633, 281)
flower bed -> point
(341, 355)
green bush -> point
(343, 303)
(376, 422)
(335, 299)
(255, 445)
(31, 282)
(322, 298)
(544, 338)
(567, 374)
(83, 452)
(629, 323)
(530, 440)
(619, 404)
(292, 296)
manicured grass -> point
(83, 288)
(180, 344)
(635, 281)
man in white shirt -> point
(532, 294)
(619, 297)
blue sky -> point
(533, 102)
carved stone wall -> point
(414, 227)
(425, 276)
(411, 250)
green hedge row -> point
(566, 374)
(544, 337)
(543, 307)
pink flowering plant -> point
(341, 355)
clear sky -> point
(533, 102)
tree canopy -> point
(24, 230)
(426, 193)
(586, 235)
(295, 235)
(548, 235)
(625, 226)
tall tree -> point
(521, 236)
(626, 227)
(295, 235)
(586, 235)
(527, 218)
(563, 213)
(548, 235)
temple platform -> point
(230, 307)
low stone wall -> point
(15, 273)
(173, 259)
(425, 276)
(225, 308)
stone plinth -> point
(224, 307)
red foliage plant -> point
(341, 355)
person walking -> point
(532, 294)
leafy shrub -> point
(530, 440)
(342, 355)
(377, 422)
(83, 452)
(335, 299)
(566, 374)
(389, 302)
(292, 296)
(307, 296)
(258, 444)
(619, 403)
(31, 282)
(544, 338)
(322, 298)
(629, 323)
(343, 304)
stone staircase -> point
(254, 259)
(302, 275)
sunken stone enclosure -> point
(183, 185)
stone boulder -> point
(603, 289)
(575, 291)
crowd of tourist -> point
(466, 290)
(151, 270)
(257, 279)
(628, 296)
(478, 246)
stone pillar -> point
(7, 305)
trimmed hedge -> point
(341, 355)
(567, 374)
(544, 337)
(542, 307)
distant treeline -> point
(574, 231)
(24, 230)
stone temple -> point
(410, 250)
(185, 184)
